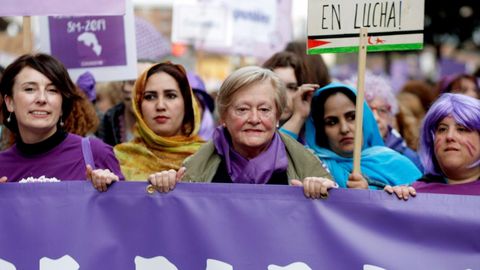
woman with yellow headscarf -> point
(167, 126)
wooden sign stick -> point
(27, 34)
(358, 139)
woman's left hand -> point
(356, 180)
(302, 100)
(101, 178)
(315, 187)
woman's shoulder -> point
(302, 161)
(202, 165)
(204, 153)
(293, 147)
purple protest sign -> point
(62, 7)
(94, 41)
(70, 225)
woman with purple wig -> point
(449, 149)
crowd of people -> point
(285, 122)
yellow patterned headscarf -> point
(148, 152)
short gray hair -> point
(247, 76)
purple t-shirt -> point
(472, 188)
(64, 162)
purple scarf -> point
(254, 171)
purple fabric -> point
(196, 82)
(64, 162)
(87, 152)
(198, 87)
(246, 226)
(151, 44)
(87, 82)
(207, 126)
(472, 188)
(450, 66)
(254, 171)
(62, 7)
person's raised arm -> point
(301, 107)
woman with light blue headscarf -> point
(329, 133)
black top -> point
(430, 178)
(222, 176)
(43, 146)
(110, 130)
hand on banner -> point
(356, 180)
(101, 178)
(315, 187)
(3, 179)
(166, 181)
(402, 192)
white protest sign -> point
(254, 28)
(334, 25)
(102, 45)
(200, 22)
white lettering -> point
(4, 265)
(292, 266)
(64, 263)
(154, 263)
(218, 265)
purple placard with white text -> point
(91, 41)
(61, 7)
(70, 225)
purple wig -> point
(466, 112)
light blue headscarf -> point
(379, 164)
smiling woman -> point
(168, 122)
(38, 96)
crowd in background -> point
(285, 121)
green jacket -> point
(202, 166)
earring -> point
(61, 122)
(278, 124)
(9, 118)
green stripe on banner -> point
(370, 48)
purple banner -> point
(62, 7)
(70, 225)
(95, 41)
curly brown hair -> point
(83, 119)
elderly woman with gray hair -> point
(246, 147)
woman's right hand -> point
(3, 179)
(315, 187)
(402, 192)
(166, 181)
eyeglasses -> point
(382, 111)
